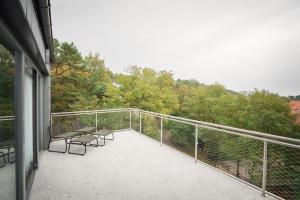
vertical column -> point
(265, 164)
(19, 126)
(46, 110)
(161, 131)
(196, 143)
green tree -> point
(146, 89)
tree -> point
(66, 75)
(268, 112)
(146, 89)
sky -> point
(241, 44)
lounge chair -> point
(58, 132)
(78, 126)
(7, 145)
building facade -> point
(25, 54)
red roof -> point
(295, 108)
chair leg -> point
(69, 146)
(101, 145)
(66, 146)
(4, 161)
(84, 149)
(94, 145)
(81, 154)
(8, 156)
(112, 138)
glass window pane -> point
(7, 124)
(28, 125)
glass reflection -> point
(7, 139)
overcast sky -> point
(241, 44)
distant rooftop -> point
(295, 108)
(133, 166)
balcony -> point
(133, 166)
(156, 156)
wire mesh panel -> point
(180, 136)
(113, 120)
(233, 154)
(86, 119)
(283, 171)
(135, 121)
(151, 126)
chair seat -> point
(66, 135)
(86, 129)
(84, 139)
(103, 132)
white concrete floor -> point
(7, 182)
(137, 168)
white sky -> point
(241, 44)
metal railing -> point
(266, 162)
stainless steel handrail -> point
(90, 111)
(245, 132)
(237, 130)
(231, 130)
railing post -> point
(161, 131)
(130, 119)
(140, 122)
(96, 123)
(265, 164)
(196, 143)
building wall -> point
(20, 33)
(31, 16)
